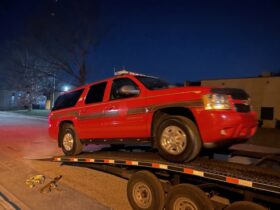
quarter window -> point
(96, 93)
(67, 100)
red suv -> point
(132, 108)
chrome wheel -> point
(142, 195)
(183, 203)
(68, 141)
(173, 140)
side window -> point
(96, 93)
(116, 86)
(67, 100)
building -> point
(264, 92)
(11, 99)
(7, 99)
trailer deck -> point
(263, 178)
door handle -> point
(111, 111)
(110, 108)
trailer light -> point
(216, 101)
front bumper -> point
(225, 127)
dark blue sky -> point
(180, 40)
(192, 40)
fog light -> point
(223, 132)
(228, 132)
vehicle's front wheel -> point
(178, 139)
(69, 141)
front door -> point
(119, 118)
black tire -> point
(187, 196)
(245, 205)
(152, 196)
(68, 129)
(193, 140)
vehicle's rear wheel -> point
(145, 192)
(245, 205)
(178, 139)
(187, 196)
(69, 141)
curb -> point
(9, 201)
(44, 118)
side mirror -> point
(128, 90)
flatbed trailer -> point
(205, 183)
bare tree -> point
(56, 44)
(25, 72)
(65, 37)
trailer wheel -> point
(245, 205)
(187, 196)
(178, 139)
(145, 192)
(69, 141)
(117, 146)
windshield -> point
(153, 83)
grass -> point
(35, 112)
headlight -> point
(216, 101)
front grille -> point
(242, 108)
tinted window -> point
(96, 93)
(153, 83)
(117, 84)
(67, 100)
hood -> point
(199, 90)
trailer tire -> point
(245, 205)
(145, 192)
(187, 196)
(184, 129)
(69, 140)
(116, 147)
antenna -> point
(114, 68)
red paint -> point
(155, 165)
(188, 171)
(127, 162)
(231, 180)
(123, 125)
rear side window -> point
(96, 93)
(67, 100)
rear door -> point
(91, 114)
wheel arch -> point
(176, 111)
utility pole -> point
(53, 93)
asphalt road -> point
(24, 139)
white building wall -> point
(264, 92)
